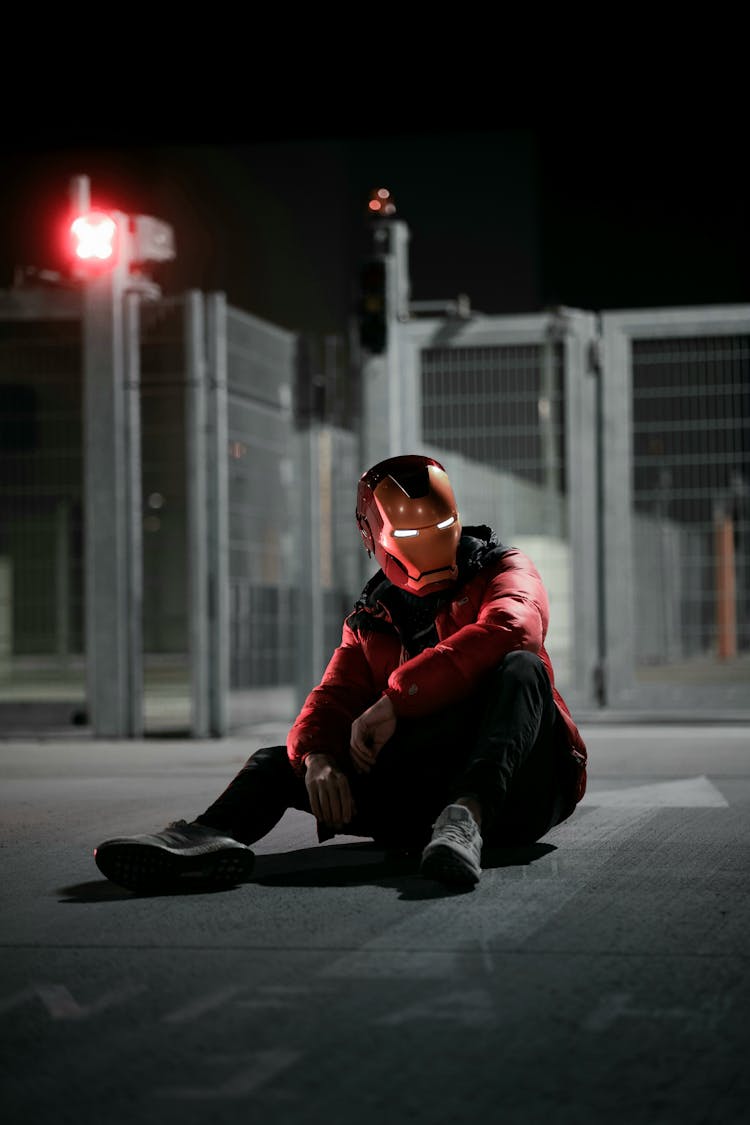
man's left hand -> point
(370, 732)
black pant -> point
(502, 746)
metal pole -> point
(197, 527)
(106, 489)
(726, 586)
(218, 513)
(548, 422)
(387, 422)
(310, 643)
(80, 194)
(134, 515)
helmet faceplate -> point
(408, 519)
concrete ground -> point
(599, 976)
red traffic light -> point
(94, 237)
(381, 203)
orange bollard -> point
(726, 591)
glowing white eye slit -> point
(403, 533)
(447, 523)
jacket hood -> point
(478, 547)
(383, 605)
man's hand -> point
(328, 789)
(371, 731)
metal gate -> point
(216, 469)
(676, 511)
(508, 404)
(219, 471)
(41, 510)
(614, 450)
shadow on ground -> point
(361, 864)
(335, 865)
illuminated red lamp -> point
(381, 203)
(94, 238)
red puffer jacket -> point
(499, 604)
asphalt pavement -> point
(598, 976)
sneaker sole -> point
(445, 865)
(145, 867)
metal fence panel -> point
(164, 485)
(41, 507)
(507, 404)
(330, 560)
(261, 362)
(677, 510)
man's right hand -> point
(331, 798)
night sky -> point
(518, 218)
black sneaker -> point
(181, 856)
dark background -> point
(650, 212)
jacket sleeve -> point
(344, 692)
(512, 613)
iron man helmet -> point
(407, 516)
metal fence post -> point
(197, 523)
(309, 653)
(134, 517)
(217, 514)
(108, 478)
(582, 489)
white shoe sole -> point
(441, 862)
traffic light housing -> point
(382, 204)
(102, 243)
(373, 306)
(95, 242)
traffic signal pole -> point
(112, 289)
(113, 581)
(389, 423)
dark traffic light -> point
(373, 307)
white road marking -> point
(685, 793)
(465, 1007)
(617, 1005)
(430, 943)
(202, 1005)
(62, 1005)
